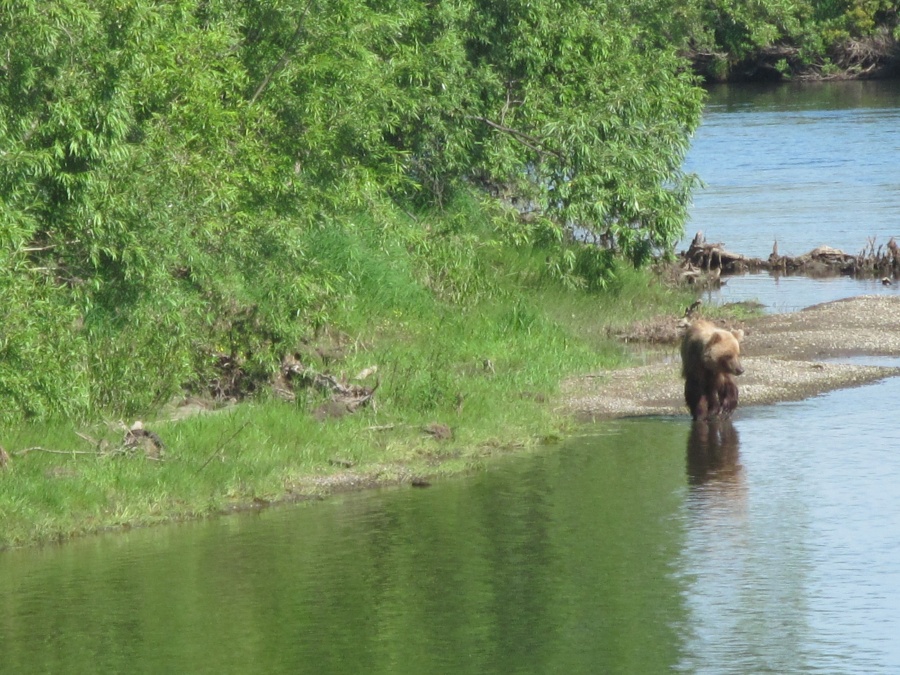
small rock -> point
(343, 463)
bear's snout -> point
(739, 369)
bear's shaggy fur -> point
(710, 358)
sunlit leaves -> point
(586, 112)
(166, 167)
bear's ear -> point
(738, 334)
(715, 338)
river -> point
(646, 545)
(801, 165)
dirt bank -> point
(787, 357)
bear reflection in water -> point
(713, 452)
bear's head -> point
(723, 351)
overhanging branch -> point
(527, 140)
(292, 44)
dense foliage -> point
(781, 38)
(182, 181)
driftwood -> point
(137, 441)
(704, 262)
(143, 440)
(344, 397)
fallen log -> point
(703, 262)
(706, 257)
(343, 397)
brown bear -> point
(710, 358)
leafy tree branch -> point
(288, 51)
(532, 143)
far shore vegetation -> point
(774, 40)
(315, 244)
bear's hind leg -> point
(696, 399)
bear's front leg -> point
(728, 393)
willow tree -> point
(571, 106)
(591, 112)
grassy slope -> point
(466, 332)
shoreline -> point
(798, 357)
(787, 357)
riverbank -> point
(375, 398)
(769, 44)
(787, 357)
(258, 454)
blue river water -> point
(804, 166)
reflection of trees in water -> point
(713, 452)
